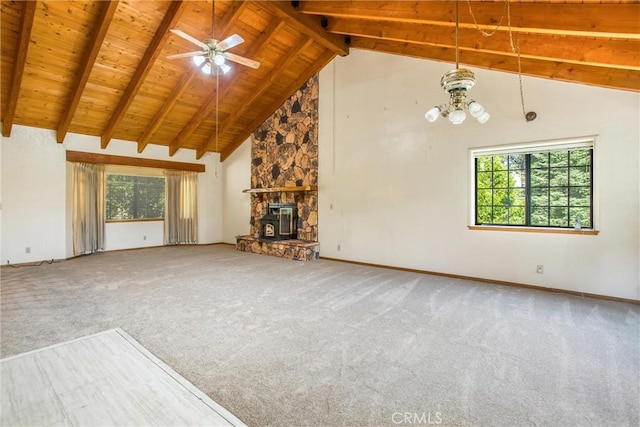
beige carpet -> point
(282, 343)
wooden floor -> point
(102, 379)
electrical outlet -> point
(338, 248)
(540, 269)
(27, 250)
(144, 237)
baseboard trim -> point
(492, 281)
(39, 263)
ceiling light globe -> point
(475, 109)
(484, 117)
(218, 59)
(457, 116)
(432, 114)
(207, 68)
(198, 60)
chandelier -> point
(456, 83)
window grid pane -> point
(134, 197)
(550, 189)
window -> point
(133, 197)
(543, 185)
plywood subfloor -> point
(102, 379)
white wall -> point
(36, 196)
(237, 205)
(394, 189)
(33, 196)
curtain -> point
(181, 208)
(88, 208)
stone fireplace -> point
(284, 179)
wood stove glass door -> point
(286, 221)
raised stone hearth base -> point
(290, 249)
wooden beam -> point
(108, 159)
(323, 60)
(24, 35)
(89, 59)
(598, 19)
(230, 17)
(261, 87)
(614, 53)
(152, 52)
(557, 70)
(166, 107)
(306, 25)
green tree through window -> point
(546, 189)
(134, 197)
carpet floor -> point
(285, 343)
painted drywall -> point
(394, 189)
(33, 197)
(36, 196)
(237, 205)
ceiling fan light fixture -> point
(218, 59)
(198, 60)
(224, 68)
(206, 68)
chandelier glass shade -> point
(456, 83)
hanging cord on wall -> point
(34, 264)
(515, 48)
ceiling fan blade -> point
(189, 38)
(231, 41)
(186, 55)
(241, 60)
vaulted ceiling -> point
(101, 68)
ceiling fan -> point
(213, 56)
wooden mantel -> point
(302, 188)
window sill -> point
(587, 232)
(134, 220)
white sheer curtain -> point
(181, 208)
(88, 208)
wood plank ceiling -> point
(100, 67)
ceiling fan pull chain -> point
(217, 99)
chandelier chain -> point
(515, 47)
(505, 12)
(524, 111)
(457, 30)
